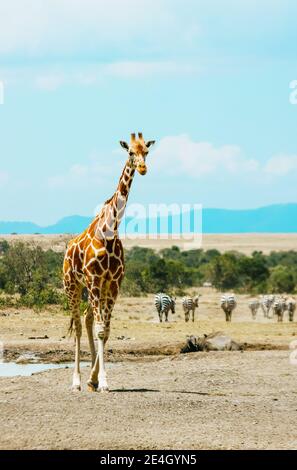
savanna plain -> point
(159, 398)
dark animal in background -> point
(291, 307)
(214, 342)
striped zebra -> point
(254, 305)
(279, 307)
(189, 305)
(291, 307)
(266, 304)
(228, 304)
(164, 303)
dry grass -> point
(245, 243)
(135, 328)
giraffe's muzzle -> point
(142, 169)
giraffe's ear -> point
(149, 143)
(124, 145)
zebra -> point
(164, 303)
(190, 304)
(291, 307)
(266, 304)
(254, 305)
(279, 307)
(228, 304)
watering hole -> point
(13, 369)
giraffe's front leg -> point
(100, 332)
(99, 381)
(102, 307)
(89, 320)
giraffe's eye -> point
(131, 153)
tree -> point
(253, 271)
(282, 280)
(224, 271)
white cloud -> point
(49, 82)
(177, 154)
(50, 78)
(281, 165)
(181, 155)
(63, 27)
(35, 28)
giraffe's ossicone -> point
(95, 260)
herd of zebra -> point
(271, 306)
(277, 305)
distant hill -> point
(279, 218)
(73, 224)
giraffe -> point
(95, 260)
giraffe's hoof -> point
(104, 389)
(76, 388)
(92, 387)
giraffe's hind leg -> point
(103, 301)
(95, 296)
(89, 322)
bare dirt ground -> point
(159, 398)
(227, 400)
(245, 243)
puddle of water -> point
(12, 369)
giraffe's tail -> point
(71, 327)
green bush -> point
(282, 280)
(7, 301)
(34, 276)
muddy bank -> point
(128, 352)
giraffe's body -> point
(95, 260)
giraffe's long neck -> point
(114, 208)
(121, 195)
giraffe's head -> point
(138, 151)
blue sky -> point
(209, 80)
